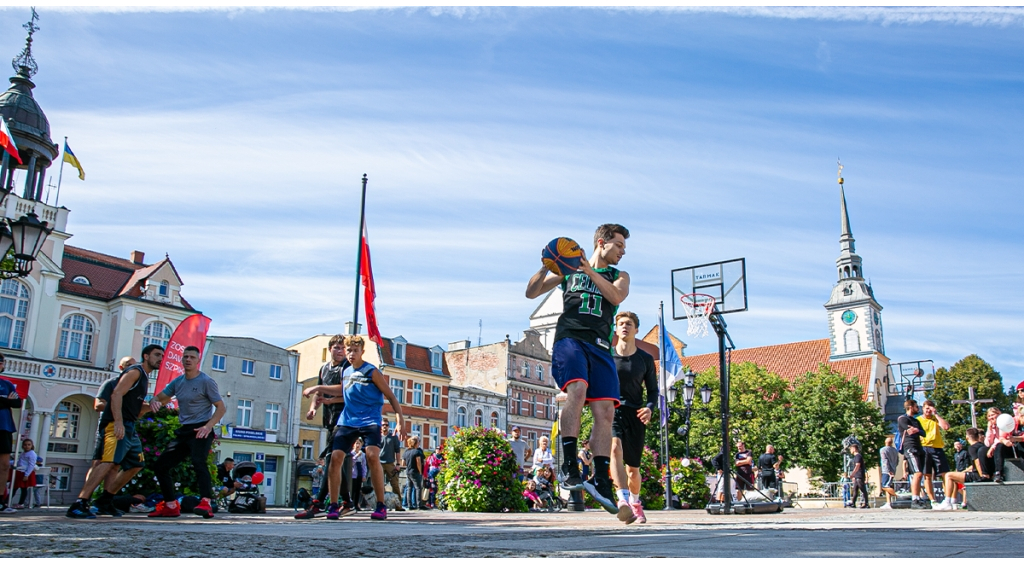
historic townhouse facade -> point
(520, 372)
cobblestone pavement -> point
(795, 533)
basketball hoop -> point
(698, 308)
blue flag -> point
(673, 366)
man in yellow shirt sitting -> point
(935, 462)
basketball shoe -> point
(163, 511)
(203, 509)
(314, 508)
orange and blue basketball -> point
(562, 256)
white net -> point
(698, 308)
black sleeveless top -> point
(131, 402)
(586, 315)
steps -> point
(1007, 496)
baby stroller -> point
(247, 498)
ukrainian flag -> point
(72, 160)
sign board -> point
(248, 435)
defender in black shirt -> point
(116, 441)
(331, 375)
(581, 360)
(636, 372)
(910, 432)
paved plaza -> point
(794, 533)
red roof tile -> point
(790, 360)
(108, 276)
(416, 358)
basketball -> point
(562, 256)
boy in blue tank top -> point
(365, 388)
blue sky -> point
(234, 140)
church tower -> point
(854, 317)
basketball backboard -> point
(726, 281)
(905, 378)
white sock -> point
(634, 497)
(624, 495)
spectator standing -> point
(8, 400)
(518, 447)
(317, 475)
(434, 462)
(857, 477)
(542, 457)
(888, 458)
(413, 461)
(935, 462)
(909, 428)
(390, 452)
(586, 459)
(744, 468)
(25, 472)
(768, 469)
(359, 473)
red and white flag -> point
(369, 292)
(7, 141)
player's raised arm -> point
(541, 283)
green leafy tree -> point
(156, 431)
(824, 408)
(757, 404)
(953, 384)
(479, 473)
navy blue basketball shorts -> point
(573, 360)
(344, 437)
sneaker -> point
(638, 510)
(399, 508)
(347, 509)
(8, 509)
(601, 491)
(78, 511)
(569, 478)
(203, 509)
(314, 508)
(944, 506)
(107, 508)
(625, 512)
(998, 478)
(18, 506)
(333, 511)
(163, 511)
(918, 504)
(887, 507)
(140, 508)
(381, 513)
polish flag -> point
(7, 141)
(369, 292)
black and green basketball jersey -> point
(585, 313)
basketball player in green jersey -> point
(581, 359)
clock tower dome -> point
(854, 317)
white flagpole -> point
(60, 177)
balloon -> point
(257, 478)
(1006, 423)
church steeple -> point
(849, 262)
(855, 321)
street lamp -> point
(26, 236)
(705, 394)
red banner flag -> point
(191, 332)
(20, 386)
(7, 141)
(369, 293)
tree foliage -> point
(953, 384)
(824, 408)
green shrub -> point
(689, 483)
(479, 473)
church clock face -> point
(849, 317)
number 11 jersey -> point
(586, 315)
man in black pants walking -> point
(197, 396)
(330, 375)
(857, 475)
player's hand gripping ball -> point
(562, 256)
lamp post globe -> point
(705, 394)
(688, 391)
(671, 393)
